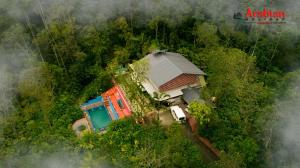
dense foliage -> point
(132, 145)
(68, 62)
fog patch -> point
(142, 11)
(286, 144)
(15, 56)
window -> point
(120, 103)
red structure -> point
(207, 143)
(179, 81)
(117, 97)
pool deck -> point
(98, 101)
(115, 104)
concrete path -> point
(166, 118)
(79, 123)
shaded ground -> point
(207, 154)
(166, 118)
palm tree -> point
(159, 98)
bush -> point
(82, 128)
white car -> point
(178, 114)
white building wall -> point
(150, 88)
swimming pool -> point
(99, 117)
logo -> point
(261, 13)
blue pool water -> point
(116, 116)
(99, 117)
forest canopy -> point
(56, 55)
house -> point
(170, 73)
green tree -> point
(242, 102)
(201, 111)
(140, 69)
(96, 44)
(159, 96)
(58, 44)
(206, 34)
(158, 100)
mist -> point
(98, 12)
(17, 55)
(54, 160)
(57, 159)
(286, 129)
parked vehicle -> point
(178, 114)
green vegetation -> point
(201, 112)
(131, 145)
(68, 62)
(81, 128)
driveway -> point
(166, 118)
